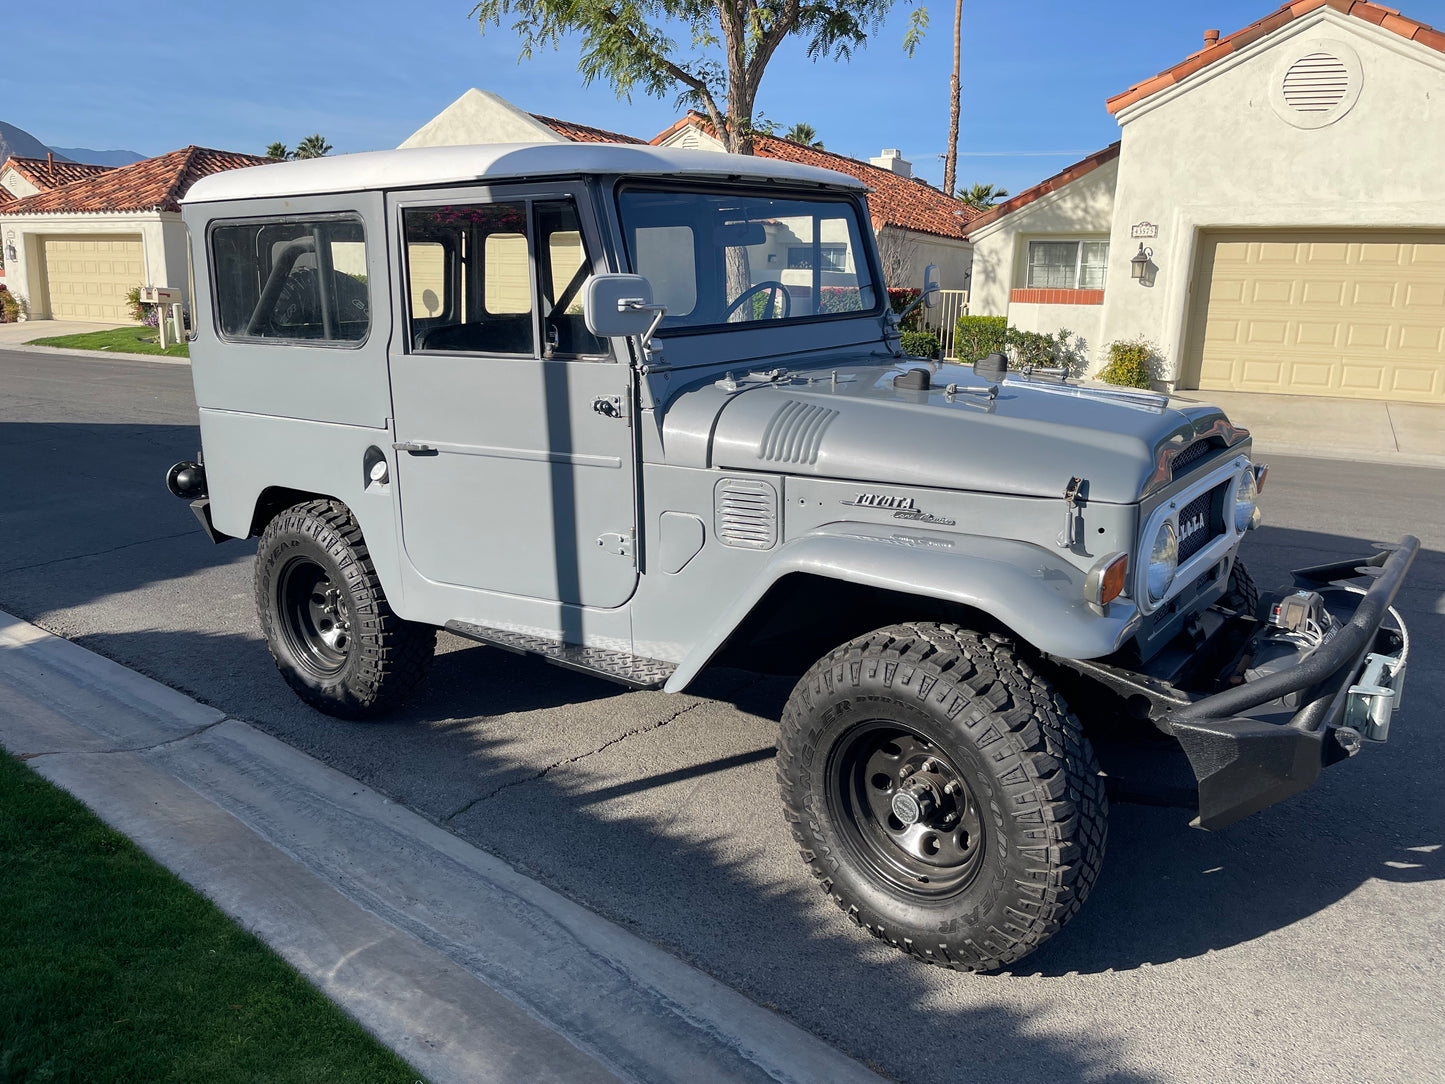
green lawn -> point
(112, 970)
(127, 340)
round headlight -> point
(1245, 494)
(1163, 561)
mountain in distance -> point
(19, 142)
(98, 158)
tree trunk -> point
(950, 165)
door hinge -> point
(622, 545)
(611, 406)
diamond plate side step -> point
(635, 671)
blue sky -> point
(366, 74)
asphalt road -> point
(1304, 944)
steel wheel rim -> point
(938, 855)
(315, 617)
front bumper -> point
(1262, 741)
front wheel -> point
(943, 794)
(325, 616)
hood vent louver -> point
(795, 432)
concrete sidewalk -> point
(1357, 429)
(469, 970)
(16, 336)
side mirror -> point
(615, 306)
(932, 292)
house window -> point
(833, 257)
(1068, 265)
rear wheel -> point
(325, 616)
(942, 794)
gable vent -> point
(745, 513)
(794, 433)
(1316, 83)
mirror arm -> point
(653, 350)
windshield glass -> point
(717, 258)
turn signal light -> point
(1106, 579)
(1261, 472)
(1112, 585)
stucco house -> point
(75, 249)
(1272, 217)
(916, 224)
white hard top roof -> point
(425, 166)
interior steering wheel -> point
(775, 289)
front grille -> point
(1189, 456)
(1200, 522)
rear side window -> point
(301, 280)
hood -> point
(849, 421)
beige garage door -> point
(1347, 314)
(88, 277)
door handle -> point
(413, 447)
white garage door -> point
(88, 277)
(1343, 313)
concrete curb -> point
(93, 355)
(1265, 448)
(469, 970)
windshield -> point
(717, 258)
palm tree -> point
(805, 134)
(278, 152)
(982, 196)
(313, 146)
(950, 163)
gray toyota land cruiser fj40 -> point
(641, 411)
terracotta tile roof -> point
(583, 133)
(45, 175)
(155, 183)
(895, 201)
(1047, 185)
(1388, 18)
(6, 196)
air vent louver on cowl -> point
(745, 513)
(795, 432)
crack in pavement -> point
(97, 553)
(132, 749)
(573, 760)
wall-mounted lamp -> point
(1139, 264)
(10, 253)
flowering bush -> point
(900, 299)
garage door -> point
(88, 277)
(1347, 314)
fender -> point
(1032, 591)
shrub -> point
(135, 308)
(13, 307)
(900, 299)
(1133, 363)
(923, 344)
(976, 336)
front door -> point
(515, 473)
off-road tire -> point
(380, 658)
(1032, 775)
(1241, 595)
